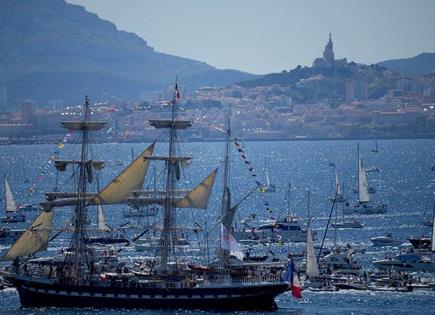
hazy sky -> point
(272, 35)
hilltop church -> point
(328, 57)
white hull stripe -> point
(134, 296)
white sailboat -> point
(364, 204)
(12, 213)
(312, 268)
(338, 190)
(269, 187)
(376, 149)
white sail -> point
(101, 220)
(34, 239)
(363, 194)
(267, 176)
(10, 201)
(338, 189)
(312, 268)
(198, 197)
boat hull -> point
(252, 297)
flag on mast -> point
(293, 280)
(177, 93)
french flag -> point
(292, 277)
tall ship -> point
(83, 276)
(364, 204)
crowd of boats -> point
(174, 266)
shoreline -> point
(42, 142)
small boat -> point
(28, 207)
(386, 240)
(289, 228)
(411, 261)
(372, 169)
(13, 215)
(147, 244)
(420, 242)
(109, 235)
(347, 225)
(140, 212)
(8, 236)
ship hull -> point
(252, 297)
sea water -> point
(405, 182)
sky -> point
(264, 36)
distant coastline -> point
(189, 140)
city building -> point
(28, 110)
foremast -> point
(81, 255)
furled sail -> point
(131, 178)
(34, 239)
(312, 268)
(198, 197)
(101, 220)
(10, 201)
(363, 194)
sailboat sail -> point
(34, 239)
(363, 194)
(10, 201)
(131, 178)
(267, 178)
(312, 268)
(101, 220)
(339, 191)
(198, 197)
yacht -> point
(350, 224)
(385, 240)
(288, 228)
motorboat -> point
(289, 229)
(386, 240)
(353, 224)
(9, 236)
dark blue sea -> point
(405, 182)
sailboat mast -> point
(226, 197)
(78, 244)
(288, 200)
(169, 210)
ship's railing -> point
(252, 280)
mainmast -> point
(171, 200)
(168, 232)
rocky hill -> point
(419, 65)
(50, 49)
(307, 84)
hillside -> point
(308, 84)
(50, 49)
(419, 65)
